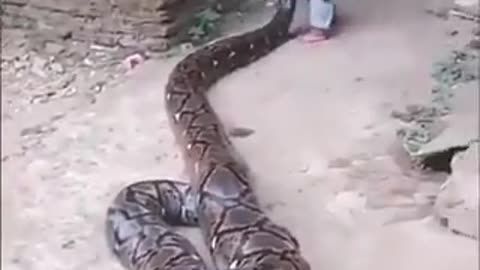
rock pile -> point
(55, 49)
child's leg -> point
(322, 13)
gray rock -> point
(54, 48)
(19, 64)
(457, 204)
(462, 123)
(57, 68)
(38, 66)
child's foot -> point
(314, 35)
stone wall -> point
(151, 24)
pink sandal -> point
(322, 18)
(314, 35)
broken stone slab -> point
(457, 205)
(466, 2)
(439, 8)
(425, 134)
(462, 125)
(468, 6)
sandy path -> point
(321, 120)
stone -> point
(127, 21)
(57, 68)
(462, 125)
(155, 44)
(129, 6)
(240, 132)
(66, 81)
(38, 66)
(54, 48)
(19, 64)
(467, 3)
(457, 205)
(16, 2)
(474, 44)
(127, 41)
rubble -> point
(457, 205)
(152, 24)
(445, 132)
(428, 129)
(466, 9)
(75, 49)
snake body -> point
(219, 200)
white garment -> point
(321, 13)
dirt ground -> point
(324, 149)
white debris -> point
(133, 60)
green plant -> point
(204, 24)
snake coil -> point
(219, 199)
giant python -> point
(219, 200)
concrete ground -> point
(324, 151)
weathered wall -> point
(154, 24)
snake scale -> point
(219, 200)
